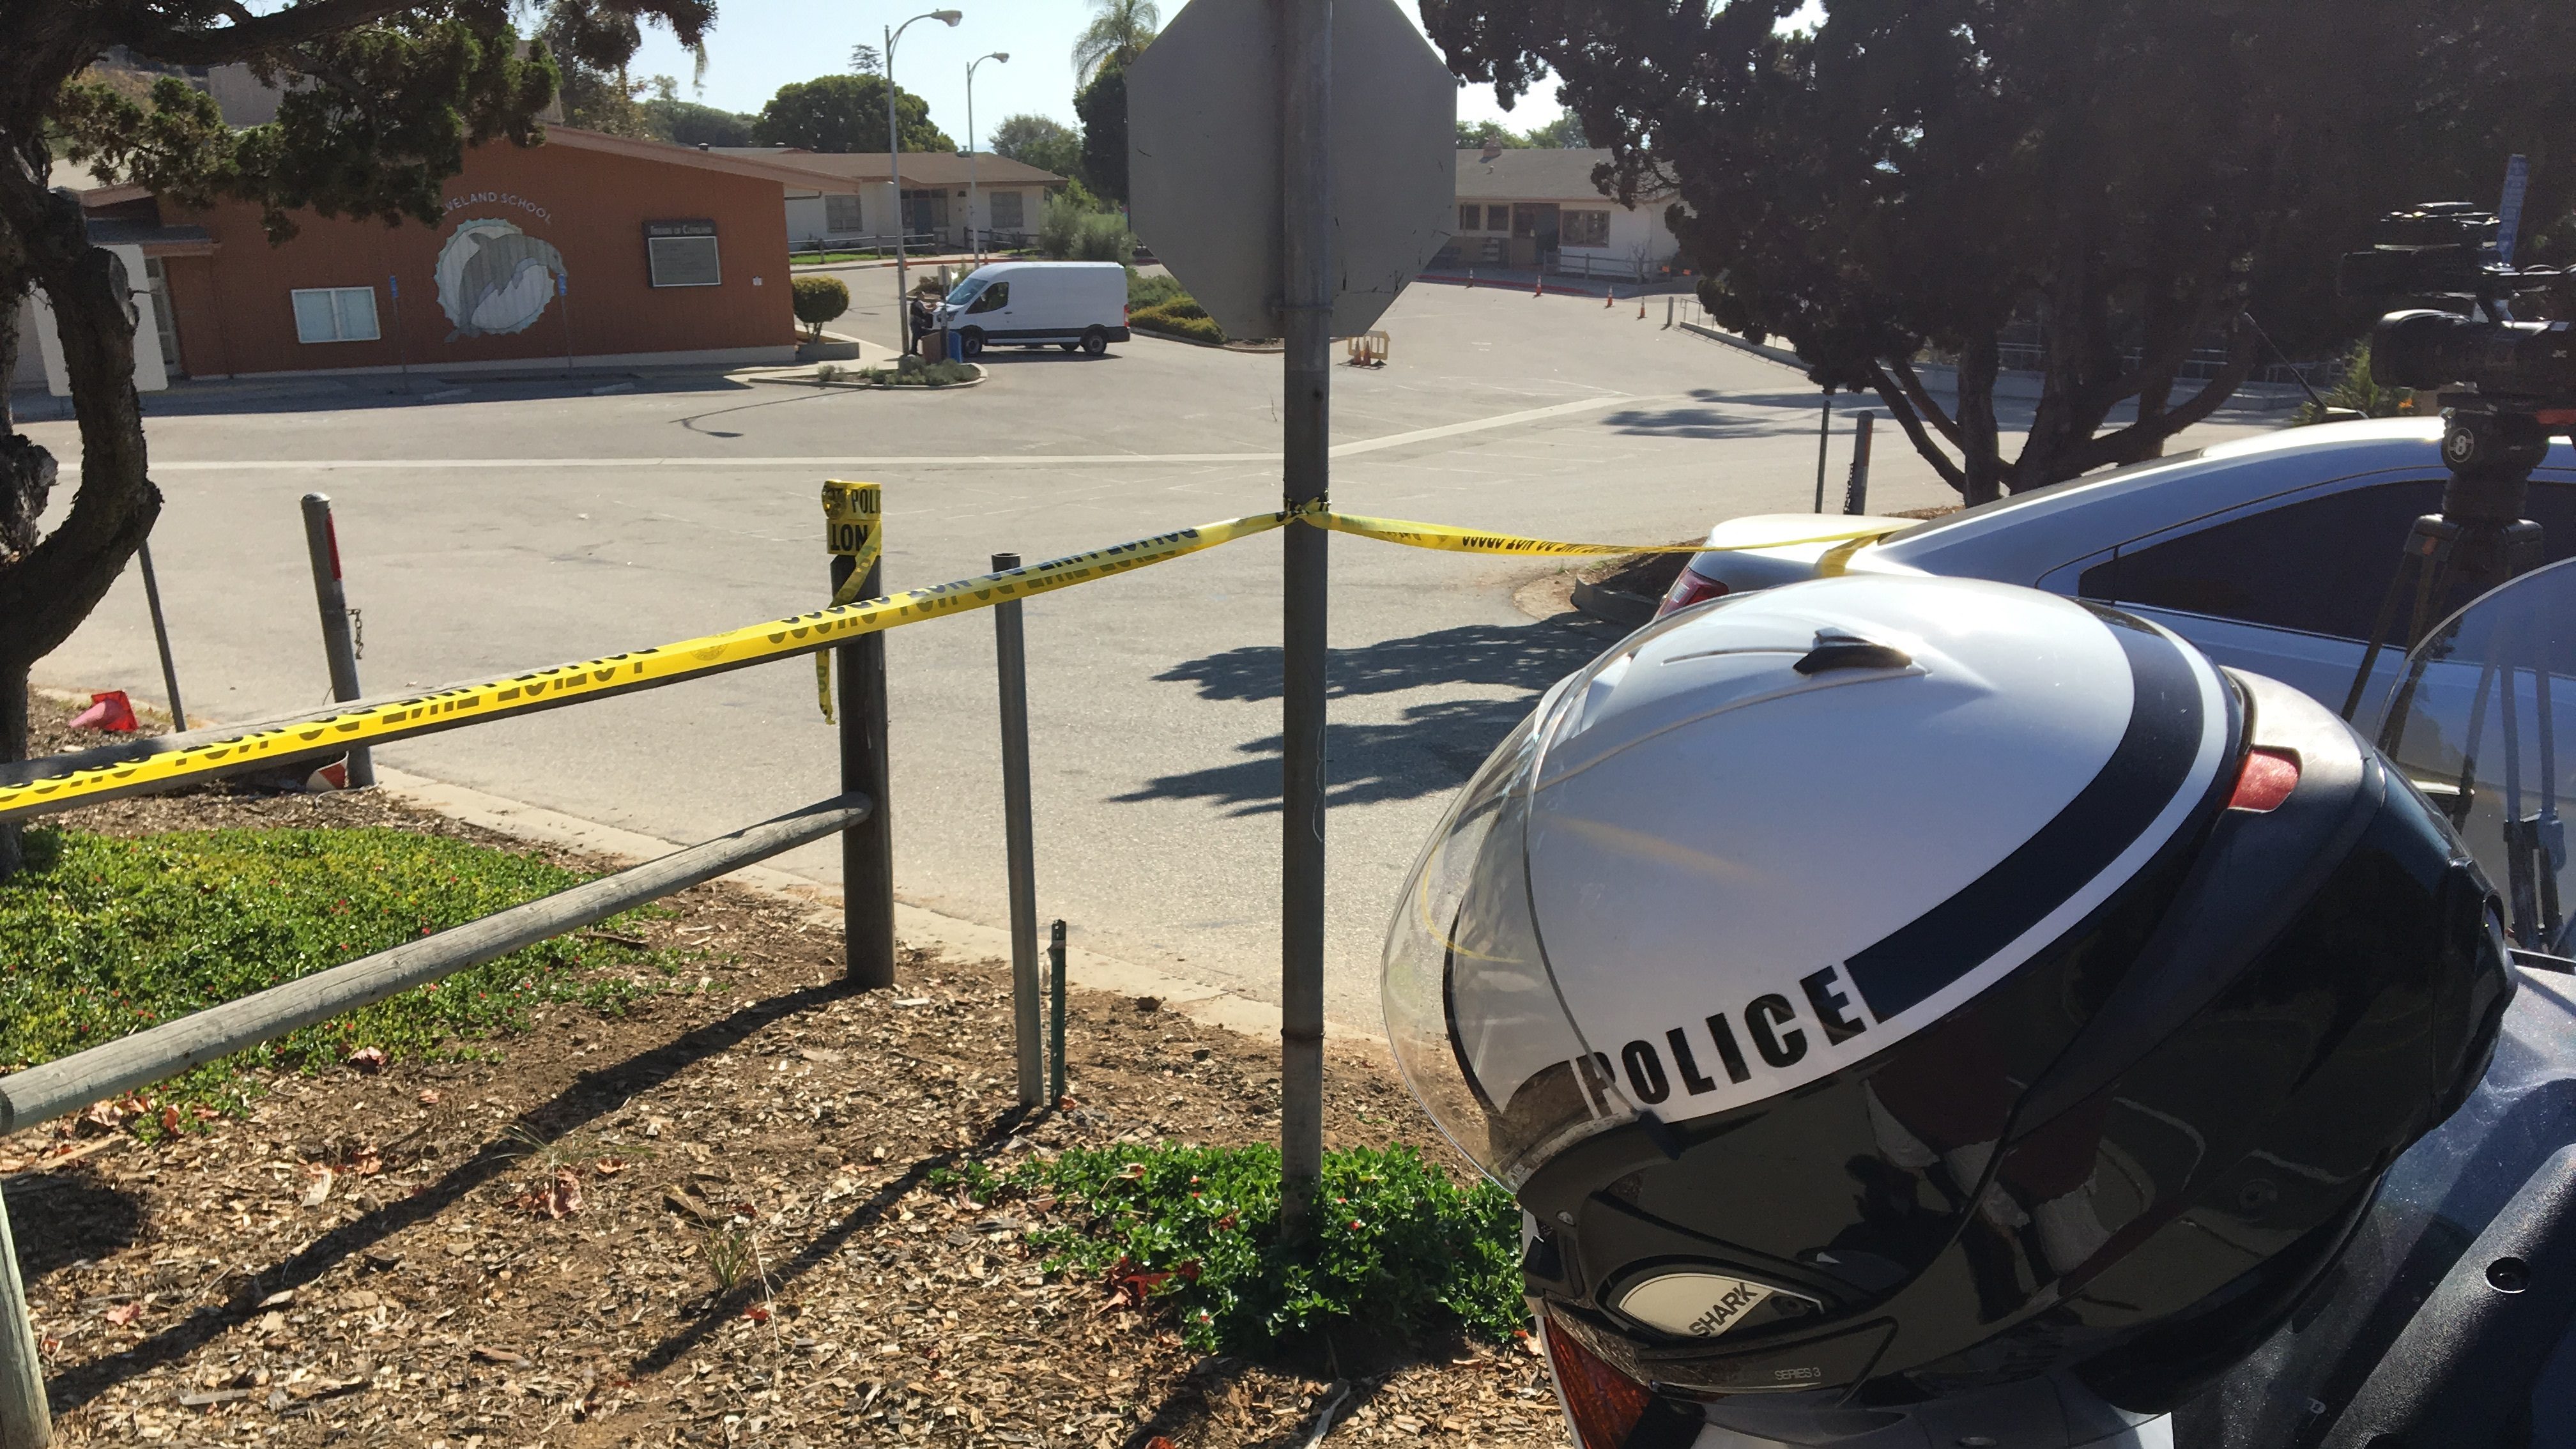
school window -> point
(841, 213)
(684, 261)
(1007, 211)
(1498, 218)
(1583, 228)
(1471, 218)
(334, 314)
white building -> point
(1530, 206)
(853, 196)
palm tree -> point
(1119, 32)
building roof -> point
(1531, 173)
(155, 240)
(929, 168)
(737, 163)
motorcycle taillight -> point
(1693, 587)
(1605, 1408)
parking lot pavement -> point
(526, 523)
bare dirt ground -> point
(703, 1222)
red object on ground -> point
(110, 711)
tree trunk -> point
(13, 747)
(46, 590)
(1980, 448)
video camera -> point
(2447, 253)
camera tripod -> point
(2480, 541)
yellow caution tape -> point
(853, 524)
(1462, 540)
(466, 704)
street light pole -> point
(972, 239)
(894, 172)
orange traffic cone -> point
(1605, 301)
(1541, 289)
(1641, 309)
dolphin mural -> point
(494, 279)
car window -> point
(966, 290)
(995, 298)
(2320, 565)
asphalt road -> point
(528, 523)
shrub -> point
(2359, 392)
(1144, 291)
(912, 371)
(819, 300)
(109, 936)
(1399, 1249)
(1075, 228)
(1104, 237)
(1182, 317)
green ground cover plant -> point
(102, 936)
(1182, 316)
(1400, 1250)
(912, 370)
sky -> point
(760, 45)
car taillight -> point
(1691, 588)
(1606, 1408)
(2266, 780)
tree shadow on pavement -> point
(1436, 746)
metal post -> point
(867, 848)
(563, 289)
(1824, 442)
(1055, 1013)
(161, 636)
(1306, 99)
(1011, 662)
(322, 543)
(26, 1421)
(1856, 497)
(894, 178)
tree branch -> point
(1923, 403)
(2141, 441)
(1902, 409)
(295, 25)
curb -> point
(1614, 606)
(978, 380)
(1161, 336)
(1780, 355)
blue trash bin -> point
(956, 347)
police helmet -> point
(1885, 991)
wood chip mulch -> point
(702, 1222)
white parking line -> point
(934, 460)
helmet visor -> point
(1477, 1026)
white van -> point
(1030, 304)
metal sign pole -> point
(1306, 287)
(161, 635)
(1011, 663)
(322, 546)
(1824, 445)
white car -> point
(1036, 304)
(2271, 554)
